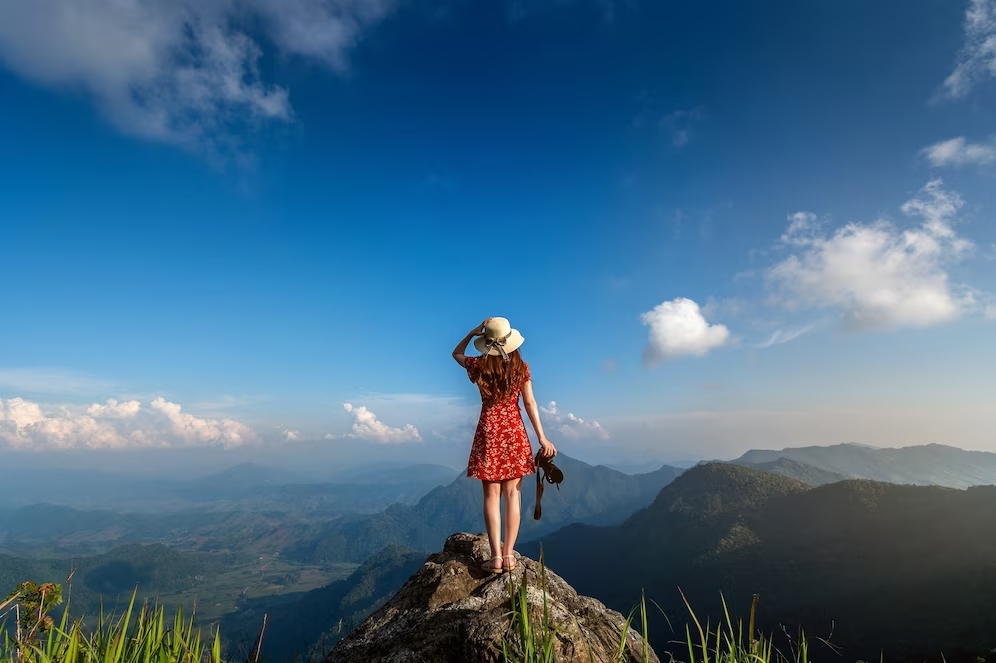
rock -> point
(452, 611)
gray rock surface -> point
(452, 611)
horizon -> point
(246, 234)
(330, 469)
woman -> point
(501, 453)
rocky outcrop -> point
(451, 611)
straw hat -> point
(499, 338)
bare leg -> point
(512, 490)
(492, 517)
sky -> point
(255, 230)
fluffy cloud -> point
(879, 275)
(178, 71)
(678, 328)
(569, 425)
(114, 410)
(959, 152)
(977, 60)
(367, 426)
(112, 425)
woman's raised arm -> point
(459, 352)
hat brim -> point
(515, 340)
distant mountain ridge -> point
(808, 474)
(248, 486)
(931, 464)
(903, 569)
(592, 494)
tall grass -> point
(532, 638)
(729, 644)
(141, 634)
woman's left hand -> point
(547, 450)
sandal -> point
(509, 564)
(490, 566)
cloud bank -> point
(878, 275)
(28, 426)
(977, 60)
(678, 328)
(366, 426)
(177, 71)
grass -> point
(532, 638)
(141, 634)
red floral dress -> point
(501, 448)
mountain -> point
(808, 474)
(931, 464)
(310, 623)
(451, 610)
(636, 467)
(246, 475)
(591, 494)
(904, 570)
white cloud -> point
(569, 425)
(881, 276)
(977, 60)
(959, 152)
(780, 336)
(27, 425)
(991, 312)
(197, 431)
(177, 71)
(802, 228)
(115, 410)
(291, 435)
(678, 328)
(367, 426)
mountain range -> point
(590, 494)
(365, 489)
(900, 569)
(821, 547)
(931, 464)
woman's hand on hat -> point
(479, 329)
(547, 449)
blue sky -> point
(755, 226)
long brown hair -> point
(499, 379)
